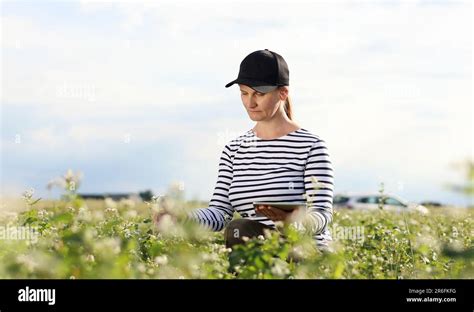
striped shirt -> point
(272, 170)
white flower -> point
(108, 246)
(298, 251)
(279, 224)
(42, 213)
(161, 260)
(110, 203)
(28, 193)
(130, 214)
(268, 233)
(223, 249)
(69, 181)
(111, 210)
(127, 203)
(210, 257)
(84, 214)
(70, 176)
(27, 261)
(127, 233)
(166, 225)
(280, 268)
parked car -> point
(431, 204)
(390, 202)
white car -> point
(372, 202)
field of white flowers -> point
(72, 238)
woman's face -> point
(262, 106)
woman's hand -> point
(274, 214)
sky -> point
(132, 93)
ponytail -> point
(288, 108)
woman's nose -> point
(252, 104)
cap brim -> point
(230, 83)
(264, 89)
(252, 84)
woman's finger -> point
(271, 213)
(280, 214)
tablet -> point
(282, 205)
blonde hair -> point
(288, 108)
(288, 105)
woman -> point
(276, 161)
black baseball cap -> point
(263, 71)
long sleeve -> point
(319, 188)
(220, 210)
